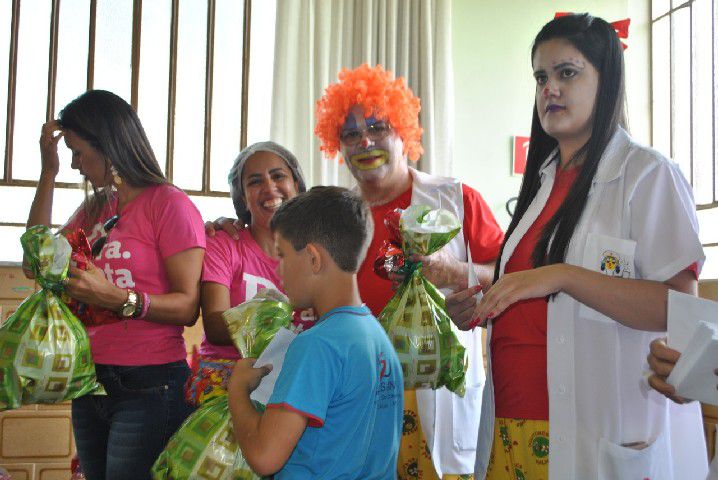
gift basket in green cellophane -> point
(204, 446)
(44, 348)
(415, 318)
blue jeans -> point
(120, 435)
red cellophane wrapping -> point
(391, 257)
(89, 315)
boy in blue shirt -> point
(337, 407)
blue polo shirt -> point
(344, 376)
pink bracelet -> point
(145, 305)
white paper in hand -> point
(684, 313)
(473, 276)
(693, 374)
(274, 355)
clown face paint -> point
(566, 89)
(373, 152)
(361, 132)
(369, 160)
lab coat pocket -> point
(611, 256)
(466, 415)
(652, 462)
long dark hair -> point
(111, 126)
(597, 40)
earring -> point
(115, 176)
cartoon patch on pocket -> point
(614, 265)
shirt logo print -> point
(384, 367)
(614, 265)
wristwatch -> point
(130, 306)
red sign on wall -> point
(521, 151)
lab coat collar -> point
(611, 166)
(613, 160)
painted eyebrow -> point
(567, 64)
(559, 67)
(356, 127)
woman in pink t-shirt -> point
(142, 286)
(263, 176)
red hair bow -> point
(621, 26)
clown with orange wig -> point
(372, 120)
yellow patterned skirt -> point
(520, 450)
(414, 455)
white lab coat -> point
(450, 422)
(641, 211)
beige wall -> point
(494, 84)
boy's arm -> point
(266, 439)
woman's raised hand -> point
(49, 137)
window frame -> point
(669, 14)
(8, 181)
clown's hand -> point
(443, 269)
(462, 308)
(230, 226)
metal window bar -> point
(671, 10)
(91, 34)
(245, 72)
(670, 72)
(52, 61)
(11, 84)
(690, 94)
(208, 86)
(715, 100)
(172, 89)
(136, 44)
(22, 225)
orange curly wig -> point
(379, 95)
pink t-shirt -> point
(243, 267)
(160, 222)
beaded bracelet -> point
(138, 306)
(145, 305)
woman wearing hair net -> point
(263, 176)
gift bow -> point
(82, 255)
(391, 257)
(621, 26)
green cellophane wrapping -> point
(415, 318)
(44, 349)
(253, 324)
(204, 447)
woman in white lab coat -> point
(602, 229)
